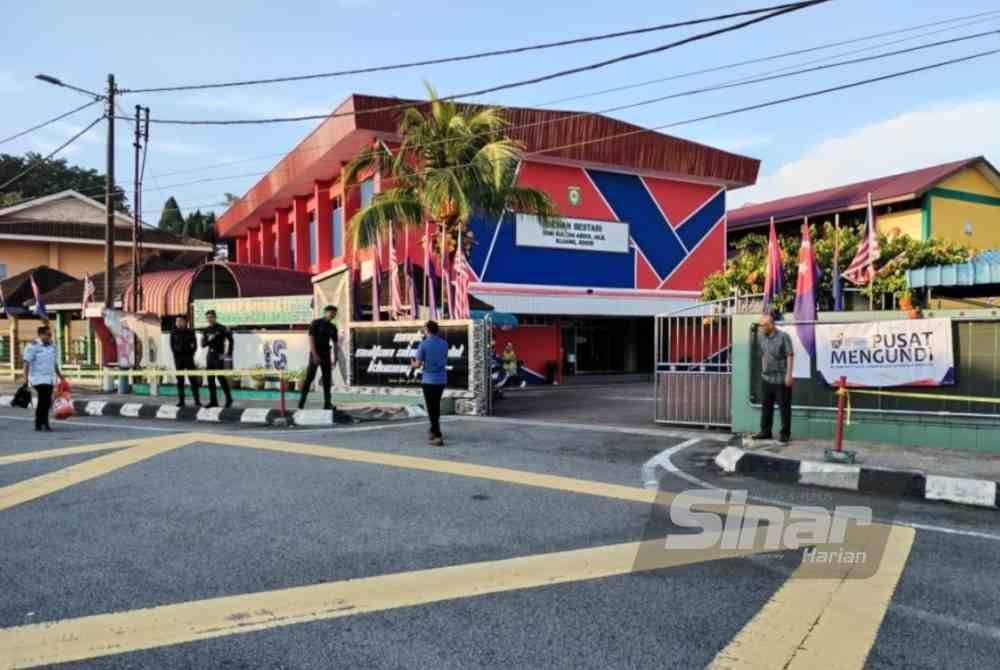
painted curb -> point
(906, 483)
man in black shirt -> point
(219, 341)
(322, 355)
(183, 344)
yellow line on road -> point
(43, 485)
(122, 632)
(821, 622)
(25, 456)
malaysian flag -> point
(862, 268)
(429, 273)
(395, 300)
(446, 282)
(774, 280)
(88, 292)
(463, 277)
(39, 307)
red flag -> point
(377, 279)
(862, 268)
(395, 300)
(464, 275)
(429, 274)
(774, 278)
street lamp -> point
(55, 81)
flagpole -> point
(444, 276)
(836, 262)
(872, 233)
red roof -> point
(339, 138)
(884, 190)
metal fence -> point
(693, 383)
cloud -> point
(9, 83)
(942, 132)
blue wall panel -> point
(695, 228)
(632, 203)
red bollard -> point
(841, 405)
(281, 387)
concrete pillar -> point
(267, 255)
(60, 336)
(12, 320)
(283, 230)
(300, 223)
(254, 236)
(324, 220)
(242, 251)
(90, 342)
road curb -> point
(904, 483)
(258, 416)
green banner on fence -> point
(274, 311)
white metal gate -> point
(693, 383)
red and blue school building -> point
(644, 223)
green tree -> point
(453, 162)
(745, 271)
(52, 176)
(171, 219)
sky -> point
(889, 127)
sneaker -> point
(523, 384)
(437, 442)
(784, 439)
(181, 404)
(212, 405)
(763, 436)
(229, 403)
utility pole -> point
(141, 135)
(109, 204)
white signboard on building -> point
(915, 352)
(572, 234)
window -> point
(313, 240)
(367, 192)
(337, 232)
(3, 271)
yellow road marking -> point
(43, 485)
(25, 456)
(122, 632)
(828, 623)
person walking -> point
(322, 355)
(41, 369)
(184, 344)
(432, 360)
(777, 364)
(512, 366)
(219, 341)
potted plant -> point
(293, 378)
(259, 378)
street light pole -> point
(109, 205)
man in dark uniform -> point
(183, 344)
(219, 341)
(322, 355)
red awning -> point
(163, 293)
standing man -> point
(322, 355)
(41, 369)
(184, 344)
(432, 357)
(219, 341)
(777, 364)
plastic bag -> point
(62, 408)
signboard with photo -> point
(381, 355)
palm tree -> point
(454, 162)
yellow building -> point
(65, 231)
(957, 201)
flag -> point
(39, 305)
(446, 281)
(463, 276)
(395, 300)
(862, 268)
(88, 292)
(377, 280)
(805, 292)
(408, 279)
(429, 274)
(774, 279)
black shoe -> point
(763, 436)
(38, 429)
(329, 406)
(212, 404)
(229, 403)
(48, 428)
(784, 439)
(180, 403)
(197, 404)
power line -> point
(732, 112)
(36, 164)
(516, 84)
(467, 57)
(49, 122)
(733, 65)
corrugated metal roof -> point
(850, 196)
(90, 231)
(260, 281)
(983, 269)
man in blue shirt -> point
(432, 358)
(41, 369)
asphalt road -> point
(514, 546)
